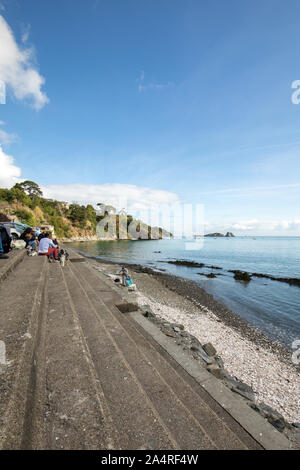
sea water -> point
(271, 306)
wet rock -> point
(147, 311)
(241, 276)
(248, 395)
(185, 334)
(215, 370)
(219, 362)
(195, 341)
(244, 387)
(201, 353)
(274, 418)
(156, 321)
(209, 349)
(169, 332)
(231, 380)
(177, 327)
(241, 388)
(289, 280)
(191, 264)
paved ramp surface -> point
(79, 374)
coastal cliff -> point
(25, 203)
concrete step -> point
(75, 413)
(8, 265)
(22, 303)
(189, 419)
(134, 415)
(246, 423)
(79, 374)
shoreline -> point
(193, 292)
(246, 352)
(196, 294)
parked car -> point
(16, 228)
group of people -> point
(43, 245)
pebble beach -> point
(246, 353)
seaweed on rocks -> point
(191, 264)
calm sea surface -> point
(271, 306)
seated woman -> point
(48, 248)
(30, 238)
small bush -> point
(26, 217)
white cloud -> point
(256, 227)
(5, 137)
(133, 198)
(17, 69)
(9, 173)
(250, 190)
(25, 34)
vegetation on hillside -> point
(25, 202)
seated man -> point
(48, 248)
(31, 241)
(29, 238)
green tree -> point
(31, 188)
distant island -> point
(217, 234)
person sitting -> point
(42, 235)
(48, 248)
(30, 239)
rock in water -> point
(241, 276)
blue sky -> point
(190, 99)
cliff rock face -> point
(229, 234)
(123, 227)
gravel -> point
(259, 363)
